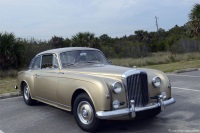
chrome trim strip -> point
(126, 111)
(44, 99)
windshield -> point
(70, 58)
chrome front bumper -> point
(132, 110)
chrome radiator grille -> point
(137, 86)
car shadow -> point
(138, 125)
(41, 104)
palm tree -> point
(6, 49)
(105, 38)
(11, 51)
(85, 39)
(194, 17)
(141, 35)
(57, 42)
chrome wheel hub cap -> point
(26, 93)
(85, 112)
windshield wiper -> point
(93, 61)
(90, 62)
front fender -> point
(95, 87)
(164, 83)
(28, 78)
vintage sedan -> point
(83, 81)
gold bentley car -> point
(83, 81)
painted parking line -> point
(184, 75)
(187, 89)
(1, 131)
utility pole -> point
(157, 27)
(156, 22)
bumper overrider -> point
(162, 103)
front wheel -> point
(26, 95)
(84, 113)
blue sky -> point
(43, 19)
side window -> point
(35, 63)
(49, 61)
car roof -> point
(60, 50)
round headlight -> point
(116, 104)
(117, 87)
(156, 82)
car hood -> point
(101, 70)
(111, 71)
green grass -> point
(161, 58)
(176, 66)
(7, 85)
(8, 73)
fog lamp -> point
(164, 95)
(116, 104)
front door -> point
(46, 79)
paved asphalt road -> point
(183, 116)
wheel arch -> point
(22, 85)
(77, 93)
(97, 90)
(23, 82)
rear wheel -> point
(84, 113)
(26, 95)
